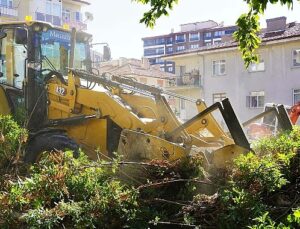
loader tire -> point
(48, 142)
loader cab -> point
(28, 52)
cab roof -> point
(31, 23)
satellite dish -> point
(89, 16)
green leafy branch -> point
(247, 34)
(158, 8)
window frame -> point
(255, 94)
(297, 50)
(179, 50)
(261, 60)
(207, 35)
(170, 69)
(219, 64)
(196, 46)
(218, 97)
(184, 38)
(193, 40)
(297, 93)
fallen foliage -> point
(260, 190)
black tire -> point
(49, 142)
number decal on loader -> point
(61, 91)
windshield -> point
(56, 46)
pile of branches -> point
(259, 190)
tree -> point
(248, 23)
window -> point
(194, 46)
(180, 38)
(219, 67)
(219, 33)
(207, 43)
(66, 15)
(296, 95)
(257, 67)
(194, 37)
(149, 42)
(170, 69)
(217, 41)
(169, 49)
(160, 41)
(169, 40)
(53, 13)
(7, 3)
(159, 61)
(56, 10)
(15, 52)
(78, 16)
(296, 57)
(160, 51)
(180, 48)
(256, 99)
(48, 8)
(207, 35)
(154, 51)
(218, 97)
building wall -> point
(207, 33)
(188, 109)
(277, 80)
(8, 10)
(38, 11)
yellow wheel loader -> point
(46, 82)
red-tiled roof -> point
(130, 69)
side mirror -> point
(106, 53)
(3, 34)
(21, 36)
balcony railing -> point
(8, 11)
(189, 79)
(55, 20)
(76, 24)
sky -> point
(117, 21)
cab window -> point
(12, 60)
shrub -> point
(12, 138)
(71, 192)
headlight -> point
(37, 28)
(45, 28)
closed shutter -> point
(248, 101)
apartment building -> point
(64, 13)
(190, 37)
(276, 78)
(8, 10)
(139, 70)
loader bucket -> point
(273, 120)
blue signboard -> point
(61, 37)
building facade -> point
(274, 79)
(142, 72)
(191, 37)
(63, 13)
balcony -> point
(78, 25)
(54, 20)
(190, 79)
(6, 11)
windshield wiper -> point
(49, 62)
